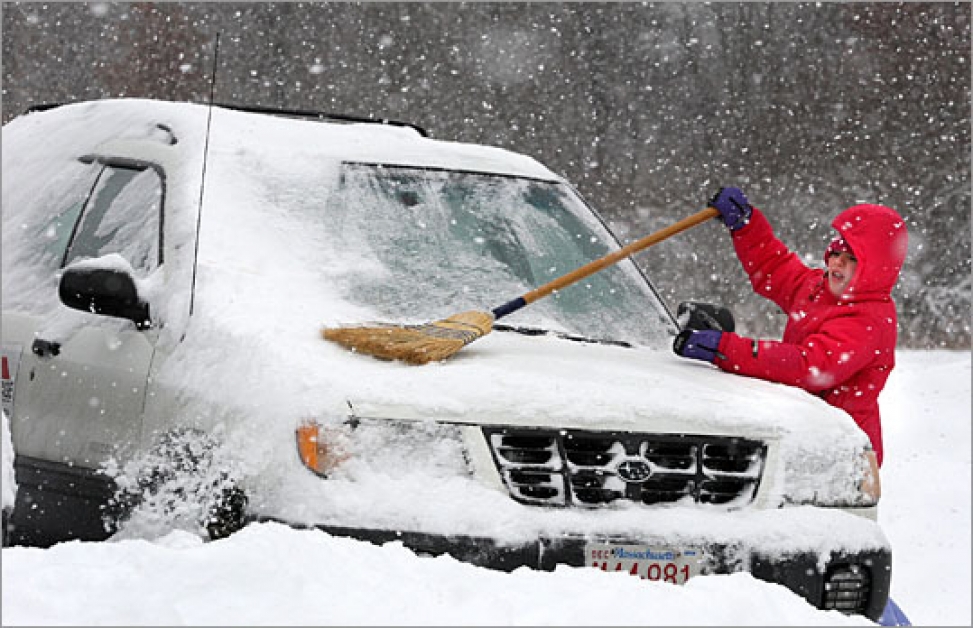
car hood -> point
(510, 379)
(280, 377)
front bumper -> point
(852, 582)
(835, 560)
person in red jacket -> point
(839, 340)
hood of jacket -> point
(879, 239)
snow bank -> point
(269, 574)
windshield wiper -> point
(536, 331)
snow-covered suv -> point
(168, 269)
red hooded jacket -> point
(841, 349)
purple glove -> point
(734, 207)
(698, 344)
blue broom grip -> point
(508, 308)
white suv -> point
(168, 269)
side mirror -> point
(110, 292)
(694, 315)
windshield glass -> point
(434, 243)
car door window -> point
(57, 232)
(64, 193)
(123, 216)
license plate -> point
(649, 562)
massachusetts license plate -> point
(648, 562)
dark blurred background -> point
(648, 108)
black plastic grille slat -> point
(588, 452)
(586, 480)
(725, 486)
(675, 456)
(528, 442)
(597, 495)
(564, 467)
(666, 489)
(673, 462)
(585, 443)
(670, 449)
(727, 466)
(734, 458)
(588, 458)
(539, 492)
(526, 456)
(526, 477)
(715, 498)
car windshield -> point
(433, 243)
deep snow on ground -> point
(272, 574)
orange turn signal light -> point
(319, 448)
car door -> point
(81, 377)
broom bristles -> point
(414, 344)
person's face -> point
(841, 268)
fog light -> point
(322, 449)
(847, 589)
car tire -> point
(228, 514)
(182, 469)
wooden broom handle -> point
(592, 267)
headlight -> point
(825, 479)
(390, 447)
(322, 449)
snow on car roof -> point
(372, 142)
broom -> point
(419, 344)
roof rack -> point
(320, 115)
(295, 113)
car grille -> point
(573, 467)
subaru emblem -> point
(634, 470)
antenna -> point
(202, 179)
